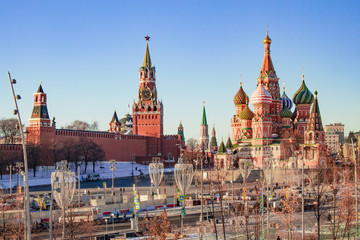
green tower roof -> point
(204, 121)
(229, 144)
(222, 148)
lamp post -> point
(63, 185)
(156, 171)
(302, 199)
(19, 166)
(26, 183)
(132, 161)
(202, 158)
(113, 168)
(183, 176)
(232, 158)
(10, 168)
(356, 192)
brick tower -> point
(40, 129)
(204, 132)
(314, 148)
(270, 81)
(148, 110)
(115, 125)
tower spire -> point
(267, 68)
(147, 59)
(204, 121)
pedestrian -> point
(278, 238)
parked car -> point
(93, 177)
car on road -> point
(93, 177)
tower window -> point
(36, 99)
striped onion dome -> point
(260, 95)
(241, 97)
(246, 114)
(286, 101)
(285, 113)
(303, 95)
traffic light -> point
(183, 211)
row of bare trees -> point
(84, 151)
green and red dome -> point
(303, 95)
(241, 97)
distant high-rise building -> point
(334, 136)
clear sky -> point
(88, 53)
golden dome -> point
(267, 39)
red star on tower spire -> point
(147, 38)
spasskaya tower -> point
(148, 110)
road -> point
(125, 226)
(118, 182)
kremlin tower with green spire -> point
(204, 132)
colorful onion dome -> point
(294, 115)
(267, 39)
(303, 95)
(286, 101)
(260, 95)
(285, 113)
(246, 114)
(241, 97)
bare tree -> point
(56, 150)
(158, 227)
(3, 163)
(318, 188)
(290, 204)
(70, 151)
(76, 228)
(96, 154)
(33, 151)
(191, 144)
(9, 130)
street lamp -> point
(113, 168)
(183, 177)
(63, 185)
(356, 191)
(26, 182)
(10, 168)
(156, 171)
(132, 161)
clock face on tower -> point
(146, 94)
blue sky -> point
(87, 54)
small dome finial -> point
(240, 80)
(303, 76)
(283, 86)
(267, 39)
(203, 102)
(316, 93)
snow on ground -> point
(43, 173)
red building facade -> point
(147, 140)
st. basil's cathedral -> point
(271, 128)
